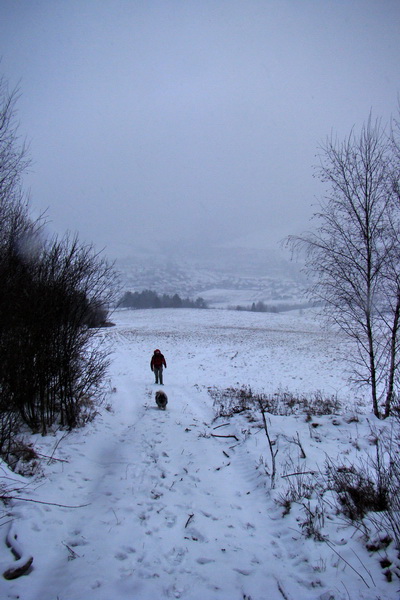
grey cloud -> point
(154, 122)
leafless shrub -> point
(314, 520)
(297, 442)
(22, 457)
(9, 426)
(386, 468)
(52, 360)
(300, 485)
(231, 401)
(272, 444)
(368, 493)
(359, 489)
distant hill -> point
(222, 276)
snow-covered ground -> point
(155, 506)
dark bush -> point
(358, 491)
(52, 295)
(48, 350)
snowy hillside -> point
(223, 276)
(145, 504)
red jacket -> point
(157, 360)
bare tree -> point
(53, 293)
(14, 223)
(14, 161)
(353, 254)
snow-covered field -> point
(155, 506)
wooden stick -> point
(52, 457)
(189, 519)
(41, 502)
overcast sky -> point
(191, 120)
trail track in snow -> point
(161, 491)
(172, 511)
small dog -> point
(161, 399)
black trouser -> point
(158, 372)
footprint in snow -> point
(194, 534)
(174, 592)
(205, 561)
(209, 515)
(245, 572)
(76, 542)
(176, 555)
(170, 519)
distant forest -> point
(261, 307)
(150, 299)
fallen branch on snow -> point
(225, 436)
(42, 502)
(51, 458)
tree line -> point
(54, 294)
(150, 299)
(260, 306)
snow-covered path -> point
(167, 510)
(172, 513)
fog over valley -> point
(223, 277)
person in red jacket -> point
(156, 365)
